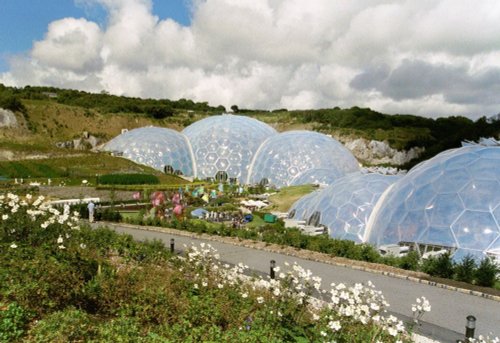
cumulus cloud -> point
(429, 57)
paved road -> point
(449, 308)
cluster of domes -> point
(451, 201)
(236, 147)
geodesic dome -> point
(317, 176)
(345, 206)
(155, 147)
(451, 200)
(300, 209)
(226, 144)
(286, 156)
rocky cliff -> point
(376, 152)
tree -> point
(235, 108)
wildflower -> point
(60, 240)
(334, 325)
(260, 300)
(392, 331)
(5, 217)
(13, 245)
(244, 295)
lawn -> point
(286, 196)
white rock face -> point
(7, 118)
(376, 152)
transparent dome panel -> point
(155, 147)
(451, 200)
(287, 156)
(317, 176)
(226, 143)
(301, 207)
(346, 205)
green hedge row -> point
(128, 179)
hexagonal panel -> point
(475, 230)
(222, 164)
(211, 158)
(451, 181)
(444, 209)
(485, 169)
(481, 195)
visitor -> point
(91, 207)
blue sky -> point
(24, 21)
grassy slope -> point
(84, 165)
(284, 199)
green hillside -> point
(47, 115)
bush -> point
(128, 179)
(13, 322)
(486, 273)
(441, 266)
(465, 270)
(69, 325)
(410, 261)
(108, 214)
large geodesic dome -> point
(345, 206)
(450, 201)
(302, 207)
(226, 144)
(317, 176)
(285, 157)
(156, 147)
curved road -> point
(449, 308)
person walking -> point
(91, 208)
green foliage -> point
(486, 273)
(159, 112)
(11, 102)
(14, 321)
(105, 102)
(410, 261)
(442, 266)
(465, 270)
(128, 179)
(68, 325)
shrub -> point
(128, 179)
(121, 329)
(442, 266)
(486, 273)
(465, 270)
(108, 214)
(410, 261)
(13, 322)
(69, 325)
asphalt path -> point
(449, 308)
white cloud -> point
(70, 44)
(430, 57)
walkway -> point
(449, 308)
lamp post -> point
(172, 245)
(271, 271)
(470, 326)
